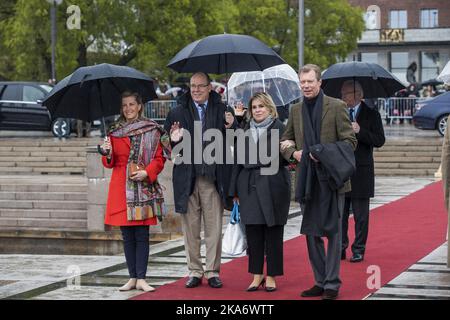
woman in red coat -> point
(134, 151)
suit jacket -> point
(370, 135)
(335, 126)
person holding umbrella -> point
(368, 128)
(200, 188)
(263, 198)
(318, 119)
(134, 151)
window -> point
(372, 17)
(399, 64)
(429, 65)
(429, 18)
(398, 19)
(32, 94)
(11, 93)
(371, 57)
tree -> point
(146, 34)
(332, 28)
(6, 65)
(104, 27)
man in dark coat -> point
(318, 119)
(200, 189)
(368, 127)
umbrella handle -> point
(101, 151)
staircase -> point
(19, 156)
(27, 203)
(43, 184)
(414, 157)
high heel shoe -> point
(130, 285)
(254, 288)
(270, 288)
(144, 286)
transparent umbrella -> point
(280, 82)
(444, 76)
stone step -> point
(407, 159)
(50, 154)
(61, 158)
(407, 154)
(35, 223)
(404, 172)
(415, 142)
(12, 195)
(43, 149)
(66, 188)
(42, 213)
(32, 171)
(46, 164)
(408, 148)
(43, 142)
(386, 165)
(43, 204)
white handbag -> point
(234, 242)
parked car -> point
(432, 114)
(21, 109)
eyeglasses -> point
(198, 86)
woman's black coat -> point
(264, 199)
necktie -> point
(352, 114)
(203, 116)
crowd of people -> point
(318, 129)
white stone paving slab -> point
(88, 293)
(33, 271)
(155, 270)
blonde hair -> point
(267, 102)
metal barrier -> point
(400, 109)
(159, 109)
(381, 107)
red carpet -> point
(401, 233)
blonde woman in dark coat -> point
(263, 198)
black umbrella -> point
(225, 53)
(431, 82)
(374, 79)
(93, 92)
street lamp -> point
(53, 3)
(301, 24)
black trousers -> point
(360, 208)
(137, 248)
(263, 240)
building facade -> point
(401, 32)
